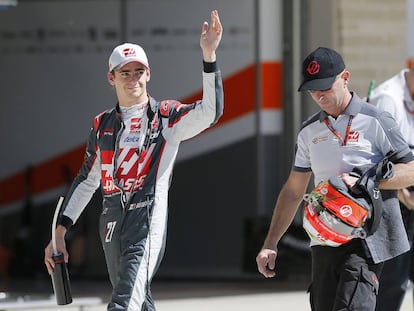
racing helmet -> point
(332, 216)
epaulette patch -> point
(166, 106)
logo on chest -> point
(353, 137)
(319, 139)
(135, 126)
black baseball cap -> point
(320, 68)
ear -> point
(111, 78)
(346, 76)
(148, 75)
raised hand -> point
(211, 36)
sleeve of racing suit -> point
(188, 120)
(84, 185)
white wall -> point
(53, 60)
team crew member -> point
(347, 133)
(130, 154)
(396, 95)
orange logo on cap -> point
(313, 67)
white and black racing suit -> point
(133, 227)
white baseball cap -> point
(126, 53)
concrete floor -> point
(186, 296)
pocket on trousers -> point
(359, 291)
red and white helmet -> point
(332, 217)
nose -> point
(318, 96)
(135, 76)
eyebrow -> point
(129, 70)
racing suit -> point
(133, 227)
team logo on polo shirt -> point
(353, 136)
(319, 139)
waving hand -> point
(211, 36)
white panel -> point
(232, 132)
(170, 32)
(271, 121)
(410, 28)
(270, 28)
(53, 60)
(54, 54)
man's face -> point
(332, 100)
(130, 82)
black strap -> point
(369, 183)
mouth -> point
(133, 88)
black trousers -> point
(343, 278)
(397, 272)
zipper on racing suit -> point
(123, 196)
(142, 145)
